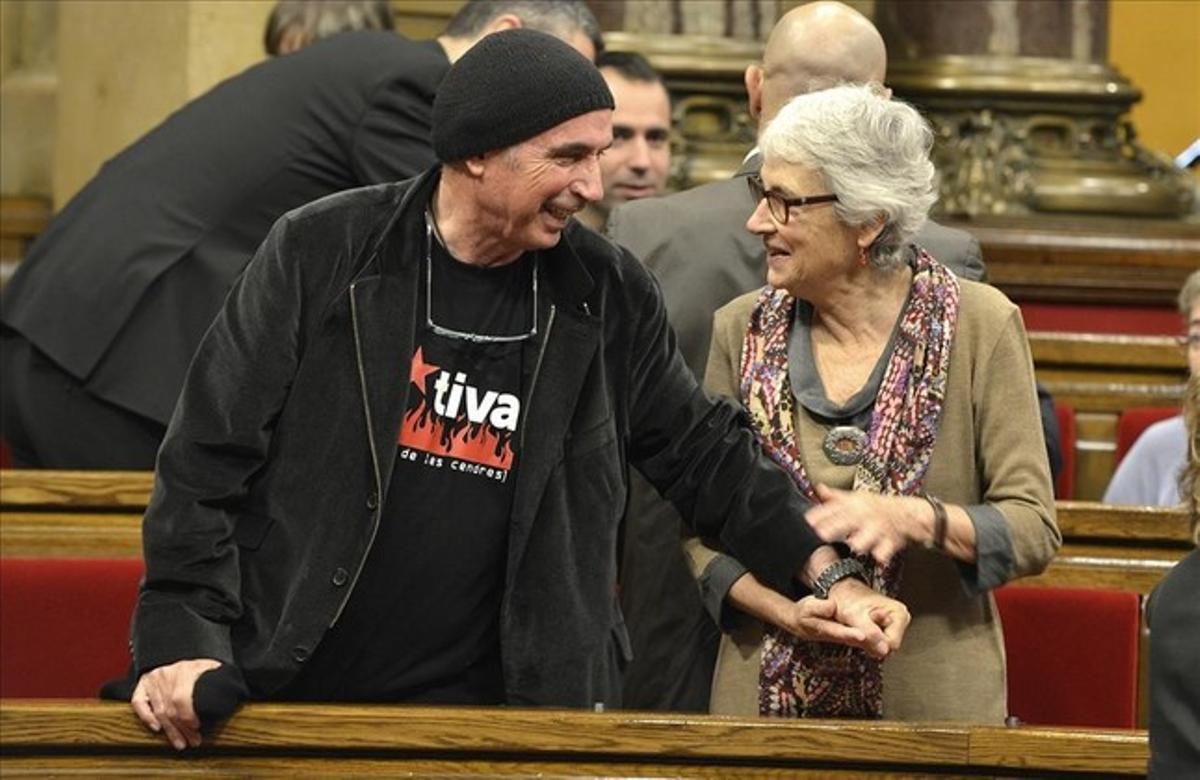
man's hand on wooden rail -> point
(164, 700)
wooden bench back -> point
(88, 514)
(1098, 376)
(98, 514)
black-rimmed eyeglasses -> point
(780, 206)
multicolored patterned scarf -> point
(820, 679)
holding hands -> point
(853, 614)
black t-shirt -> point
(423, 621)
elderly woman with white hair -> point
(898, 397)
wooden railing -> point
(95, 738)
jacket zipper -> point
(537, 369)
(378, 511)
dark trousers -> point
(51, 421)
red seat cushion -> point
(1064, 486)
(1133, 421)
(64, 624)
(1072, 655)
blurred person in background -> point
(1149, 473)
(639, 160)
(293, 24)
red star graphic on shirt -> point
(421, 370)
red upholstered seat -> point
(1072, 655)
(1133, 421)
(1064, 486)
(64, 624)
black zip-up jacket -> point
(277, 461)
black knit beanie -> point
(509, 87)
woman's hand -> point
(871, 524)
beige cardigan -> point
(989, 450)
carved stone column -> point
(1029, 116)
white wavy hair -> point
(872, 152)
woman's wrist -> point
(919, 520)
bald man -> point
(697, 245)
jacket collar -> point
(393, 247)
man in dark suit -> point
(698, 247)
(102, 317)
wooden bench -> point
(73, 513)
(1115, 547)
(99, 513)
(1099, 376)
(83, 738)
(54, 515)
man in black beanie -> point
(397, 468)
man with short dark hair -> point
(102, 316)
(639, 160)
(397, 469)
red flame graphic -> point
(426, 431)
(476, 443)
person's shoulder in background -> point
(648, 225)
(956, 249)
(1149, 473)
